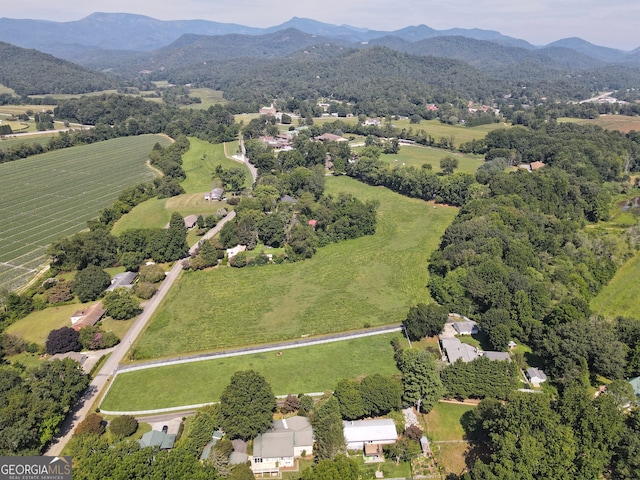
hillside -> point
(30, 72)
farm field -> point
(42, 139)
(49, 196)
(208, 96)
(416, 156)
(622, 123)
(198, 163)
(371, 280)
(297, 370)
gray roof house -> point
(455, 350)
(124, 279)
(468, 327)
(536, 376)
(498, 356)
(286, 440)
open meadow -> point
(416, 156)
(622, 123)
(52, 195)
(311, 369)
(371, 280)
(620, 296)
(198, 163)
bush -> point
(413, 432)
(123, 426)
(93, 423)
(239, 261)
(63, 340)
(145, 290)
(151, 273)
(233, 200)
(60, 292)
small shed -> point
(536, 376)
(124, 279)
(232, 252)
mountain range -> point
(120, 31)
(230, 55)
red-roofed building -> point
(313, 223)
(87, 317)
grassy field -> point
(198, 163)
(49, 196)
(443, 422)
(36, 326)
(370, 280)
(619, 297)
(311, 369)
(208, 96)
(622, 123)
(416, 156)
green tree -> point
(350, 399)
(246, 405)
(90, 283)
(380, 394)
(448, 164)
(328, 430)
(120, 304)
(425, 320)
(421, 382)
(176, 246)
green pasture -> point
(620, 296)
(316, 368)
(623, 123)
(52, 195)
(208, 96)
(371, 280)
(198, 163)
(8, 90)
(42, 139)
(36, 326)
(416, 156)
(459, 133)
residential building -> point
(359, 433)
(278, 448)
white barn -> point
(363, 432)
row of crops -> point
(49, 196)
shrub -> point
(123, 426)
(60, 292)
(413, 432)
(151, 273)
(239, 261)
(93, 423)
(120, 304)
(63, 340)
(145, 290)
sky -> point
(611, 23)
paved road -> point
(243, 159)
(98, 383)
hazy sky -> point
(612, 23)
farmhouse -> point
(330, 137)
(468, 327)
(285, 441)
(87, 317)
(368, 432)
(271, 110)
(124, 280)
(154, 438)
(456, 350)
(536, 376)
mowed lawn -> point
(311, 369)
(622, 123)
(52, 195)
(620, 296)
(371, 280)
(416, 156)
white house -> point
(363, 432)
(468, 327)
(536, 376)
(232, 252)
(285, 441)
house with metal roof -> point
(359, 433)
(456, 350)
(154, 438)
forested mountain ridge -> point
(31, 72)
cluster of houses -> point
(453, 349)
(292, 438)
